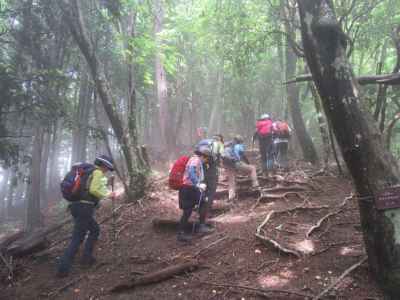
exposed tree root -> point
(260, 291)
(269, 241)
(320, 221)
(156, 276)
(209, 246)
(344, 274)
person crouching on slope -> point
(192, 193)
(82, 212)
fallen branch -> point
(209, 246)
(344, 274)
(257, 290)
(156, 276)
(285, 189)
(65, 286)
(319, 223)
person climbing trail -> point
(82, 208)
(281, 135)
(264, 136)
(236, 162)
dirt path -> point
(230, 256)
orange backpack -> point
(281, 129)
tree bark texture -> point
(73, 16)
(34, 219)
(305, 141)
(371, 166)
(80, 131)
(161, 77)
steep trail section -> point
(319, 221)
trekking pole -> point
(198, 207)
(114, 230)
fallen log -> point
(157, 276)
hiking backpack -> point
(74, 186)
(228, 157)
(175, 179)
(281, 129)
(264, 127)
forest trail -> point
(231, 258)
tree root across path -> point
(156, 276)
(259, 291)
(344, 274)
(269, 241)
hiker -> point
(235, 162)
(264, 136)
(192, 193)
(216, 145)
(82, 211)
(281, 134)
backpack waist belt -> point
(87, 202)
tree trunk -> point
(305, 141)
(80, 132)
(3, 192)
(43, 169)
(73, 16)
(371, 166)
(161, 78)
(53, 193)
(323, 126)
(34, 219)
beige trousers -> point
(241, 168)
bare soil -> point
(238, 259)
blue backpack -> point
(74, 186)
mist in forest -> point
(162, 75)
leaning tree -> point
(372, 167)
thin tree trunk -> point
(3, 192)
(161, 78)
(371, 166)
(43, 168)
(34, 218)
(80, 132)
(73, 16)
(305, 141)
(322, 125)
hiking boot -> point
(183, 237)
(205, 229)
(88, 261)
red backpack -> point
(281, 129)
(175, 179)
(264, 127)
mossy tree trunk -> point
(371, 166)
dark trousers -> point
(266, 152)
(280, 151)
(84, 222)
(211, 179)
(189, 197)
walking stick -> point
(194, 223)
(114, 230)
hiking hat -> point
(265, 116)
(104, 160)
